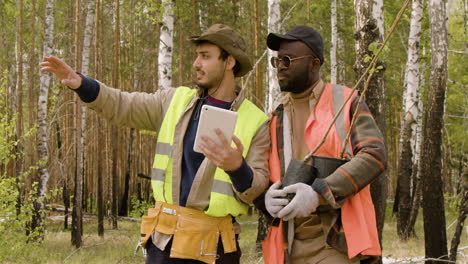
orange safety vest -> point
(357, 213)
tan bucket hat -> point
(229, 40)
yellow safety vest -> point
(223, 201)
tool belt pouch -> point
(195, 234)
(148, 224)
(195, 239)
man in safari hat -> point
(198, 195)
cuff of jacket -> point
(89, 89)
(321, 186)
(242, 177)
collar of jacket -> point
(237, 101)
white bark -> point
(411, 104)
(438, 38)
(166, 45)
(88, 36)
(333, 44)
(273, 27)
(360, 8)
(203, 15)
(377, 13)
(42, 113)
(87, 42)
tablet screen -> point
(211, 118)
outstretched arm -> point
(62, 71)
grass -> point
(118, 246)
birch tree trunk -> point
(340, 42)
(37, 221)
(435, 238)
(166, 45)
(85, 58)
(258, 92)
(333, 44)
(32, 88)
(274, 16)
(409, 125)
(369, 17)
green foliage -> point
(457, 93)
(16, 209)
(138, 208)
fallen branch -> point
(120, 218)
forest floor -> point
(118, 246)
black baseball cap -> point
(306, 34)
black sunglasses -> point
(286, 60)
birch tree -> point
(435, 237)
(368, 35)
(334, 43)
(166, 45)
(410, 129)
(43, 155)
(32, 88)
(272, 81)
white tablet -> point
(211, 118)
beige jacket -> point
(147, 111)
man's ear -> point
(230, 62)
(315, 64)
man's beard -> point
(297, 85)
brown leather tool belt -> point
(195, 234)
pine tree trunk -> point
(409, 125)
(460, 225)
(166, 45)
(37, 221)
(273, 26)
(77, 212)
(435, 238)
(63, 171)
(18, 105)
(368, 18)
(115, 131)
(99, 129)
(124, 204)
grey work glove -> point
(275, 199)
(305, 201)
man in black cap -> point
(331, 218)
(197, 194)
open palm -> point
(62, 71)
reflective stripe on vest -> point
(222, 198)
(162, 165)
(357, 213)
